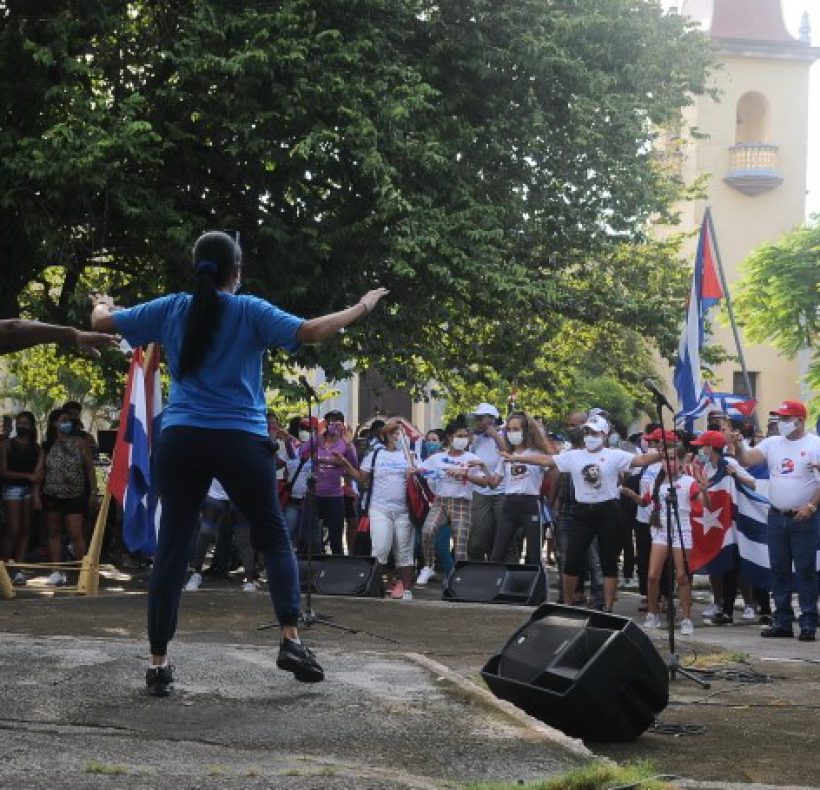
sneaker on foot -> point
(775, 632)
(57, 579)
(159, 680)
(425, 575)
(710, 611)
(19, 579)
(652, 621)
(407, 596)
(194, 582)
(749, 614)
(687, 628)
(398, 591)
(765, 619)
(807, 635)
(298, 658)
(249, 586)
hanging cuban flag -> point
(704, 293)
(736, 407)
(130, 479)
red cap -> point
(790, 408)
(657, 436)
(714, 439)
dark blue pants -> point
(795, 542)
(186, 461)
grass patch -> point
(593, 776)
(94, 767)
(716, 659)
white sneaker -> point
(425, 575)
(687, 628)
(749, 614)
(652, 621)
(57, 579)
(631, 583)
(407, 595)
(249, 587)
(710, 611)
(193, 583)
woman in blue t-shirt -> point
(214, 426)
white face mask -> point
(785, 428)
(593, 443)
(704, 456)
(515, 437)
(460, 442)
(304, 436)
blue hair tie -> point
(205, 267)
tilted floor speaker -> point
(592, 675)
(495, 582)
(337, 575)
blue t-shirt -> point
(225, 391)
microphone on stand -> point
(306, 384)
(659, 396)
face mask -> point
(704, 456)
(432, 447)
(460, 442)
(593, 443)
(65, 427)
(785, 428)
(515, 437)
(304, 436)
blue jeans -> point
(187, 459)
(795, 542)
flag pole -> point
(746, 380)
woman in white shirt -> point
(385, 471)
(522, 486)
(447, 472)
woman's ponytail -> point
(216, 258)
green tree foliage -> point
(489, 161)
(778, 299)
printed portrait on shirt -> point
(591, 475)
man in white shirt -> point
(793, 523)
(486, 507)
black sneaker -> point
(721, 618)
(298, 658)
(160, 680)
(806, 636)
(775, 632)
(765, 619)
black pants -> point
(187, 459)
(599, 519)
(519, 511)
(643, 547)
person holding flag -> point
(214, 426)
(793, 526)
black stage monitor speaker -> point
(592, 675)
(337, 575)
(308, 579)
(496, 582)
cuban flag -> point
(714, 537)
(736, 407)
(130, 482)
(705, 292)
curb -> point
(507, 709)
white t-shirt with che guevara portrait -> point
(594, 475)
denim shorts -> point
(16, 492)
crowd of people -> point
(504, 490)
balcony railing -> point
(753, 168)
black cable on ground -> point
(662, 728)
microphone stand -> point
(672, 512)
(309, 616)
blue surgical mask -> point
(65, 427)
(432, 447)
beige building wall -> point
(743, 221)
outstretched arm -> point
(315, 330)
(19, 333)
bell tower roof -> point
(750, 20)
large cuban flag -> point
(130, 482)
(705, 292)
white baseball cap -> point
(486, 408)
(597, 424)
